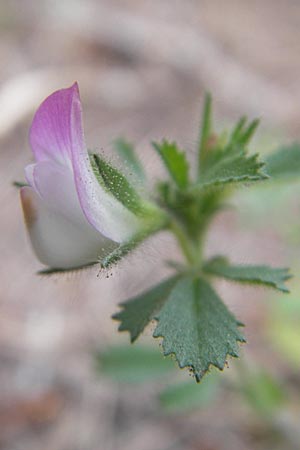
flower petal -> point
(57, 241)
(55, 185)
(50, 132)
(101, 209)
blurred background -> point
(68, 380)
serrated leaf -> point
(237, 132)
(196, 327)
(117, 184)
(264, 275)
(133, 363)
(285, 162)
(175, 162)
(247, 134)
(231, 167)
(241, 135)
(139, 311)
(126, 151)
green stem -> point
(190, 248)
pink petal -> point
(50, 133)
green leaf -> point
(126, 151)
(133, 364)
(237, 132)
(285, 162)
(248, 133)
(225, 163)
(139, 311)
(196, 327)
(194, 323)
(240, 135)
(231, 167)
(175, 161)
(117, 184)
(264, 275)
(186, 396)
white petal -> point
(57, 241)
(55, 184)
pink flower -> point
(71, 219)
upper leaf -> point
(242, 134)
(231, 167)
(175, 161)
(195, 325)
(285, 162)
(265, 275)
